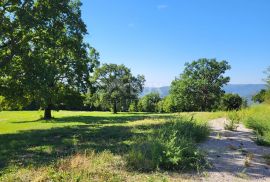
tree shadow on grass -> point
(111, 119)
(43, 147)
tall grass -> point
(258, 118)
(172, 146)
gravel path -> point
(234, 156)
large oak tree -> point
(43, 55)
(199, 87)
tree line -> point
(46, 64)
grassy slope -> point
(258, 118)
(34, 149)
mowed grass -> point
(76, 146)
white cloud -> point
(162, 6)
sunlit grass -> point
(35, 149)
(258, 118)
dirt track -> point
(234, 156)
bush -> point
(172, 147)
(231, 102)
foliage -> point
(172, 146)
(168, 105)
(257, 118)
(259, 97)
(133, 107)
(231, 102)
(149, 103)
(116, 87)
(199, 87)
(43, 54)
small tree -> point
(199, 87)
(231, 102)
(115, 85)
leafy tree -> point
(116, 85)
(199, 87)
(149, 103)
(133, 107)
(168, 104)
(42, 51)
(231, 102)
(259, 97)
(160, 106)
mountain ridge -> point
(244, 90)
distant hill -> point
(163, 91)
(244, 90)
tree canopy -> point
(199, 87)
(149, 103)
(116, 87)
(43, 55)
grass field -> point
(78, 146)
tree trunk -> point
(114, 107)
(48, 112)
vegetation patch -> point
(258, 119)
(171, 147)
(233, 121)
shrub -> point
(231, 102)
(172, 146)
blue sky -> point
(156, 37)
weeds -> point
(173, 147)
(233, 121)
(248, 159)
(258, 119)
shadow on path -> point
(235, 152)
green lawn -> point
(35, 149)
